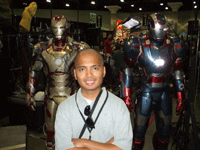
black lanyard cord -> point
(90, 115)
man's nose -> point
(89, 73)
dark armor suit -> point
(157, 55)
(56, 59)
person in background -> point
(113, 45)
(118, 44)
(107, 45)
(117, 63)
(101, 49)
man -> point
(107, 45)
(118, 44)
(112, 129)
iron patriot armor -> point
(56, 59)
(157, 55)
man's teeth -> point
(89, 82)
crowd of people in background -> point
(112, 52)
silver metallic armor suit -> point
(56, 58)
(157, 54)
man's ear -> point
(75, 74)
(104, 71)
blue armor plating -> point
(156, 60)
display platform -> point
(13, 137)
(20, 114)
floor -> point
(19, 138)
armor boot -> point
(50, 140)
(138, 145)
(158, 143)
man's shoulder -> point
(116, 101)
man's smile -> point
(90, 82)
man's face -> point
(110, 36)
(89, 71)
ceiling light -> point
(132, 5)
(194, 2)
(161, 4)
(93, 2)
(122, 1)
(195, 6)
(67, 5)
(49, 1)
(166, 8)
(140, 9)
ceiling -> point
(146, 5)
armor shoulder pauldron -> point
(179, 48)
(38, 48)
(132, 47)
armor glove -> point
(30, 101)
(129, 103)
(179, 107)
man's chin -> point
(90, 88)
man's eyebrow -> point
(97, 65)
(80, 67)
(90, 66)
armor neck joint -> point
(60, 42)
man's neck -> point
(91, 95)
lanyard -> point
(90, 115)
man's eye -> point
(81, 69)
(96, 68)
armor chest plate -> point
(58, 68)
(58, 60)
(157, 59)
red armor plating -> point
(156, 80)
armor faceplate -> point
(59, 25)
(157, 26)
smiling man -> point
(105, 117)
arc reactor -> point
(159, 62)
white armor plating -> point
(60, 76)
(157, 28)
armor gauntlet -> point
(179, 86)
(32, 83)
(180, 51)
(31, 89)
(126, 80)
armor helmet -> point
(157, 25)
(59, 25)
